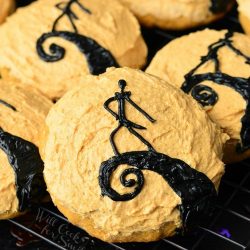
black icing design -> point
(98, 58)
(7, 105)
(25, 159)
(207, 96)
(195, 189)
(204, 94)
(121, 98)
(219, 6)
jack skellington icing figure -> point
(195, 189)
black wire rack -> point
(46, 228)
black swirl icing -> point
(26, 162)
(98, 58)
(207, 96)
(220, 6)
(7, 105)
(194, 188)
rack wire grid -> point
(46, 228)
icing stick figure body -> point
(66, 8)
(123, 97)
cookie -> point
(58, 40)
(244, 16)
(213, 67)
(180, 14)
(22, 116)
(6, 8)
(130, 158)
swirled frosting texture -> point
(110, 24)
(177, 14)
(78, 142)
(26, 122)
(180, 56)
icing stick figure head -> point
(122, 84)
(22, 115)
(214, 68)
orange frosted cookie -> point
(130, 158)
(22, 116)
(213, 67)
(244, 14)
(178, 14)
(50, 41)
(6, 8)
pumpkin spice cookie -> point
(244, 14)
(213, 67)
(130, 158)
(178, 14)
(61, 39)
(7, 7)
(22, 116)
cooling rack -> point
(46, 228)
